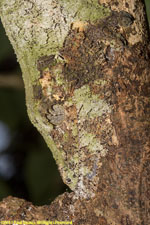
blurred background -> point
(27, 168)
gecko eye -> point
(68, 180)
(126, 19)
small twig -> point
(11, 81)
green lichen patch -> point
(88, 104)
(93, 144)
(76, 139)
(89, 10)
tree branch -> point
(88, 95)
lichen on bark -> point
(39, 31)
(82, 148)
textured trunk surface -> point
(86, 69)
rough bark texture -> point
(86, 71)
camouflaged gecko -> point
(79, 115)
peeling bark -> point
(86, 71)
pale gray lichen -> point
(89, 104)
(89, 140)
(88, 154)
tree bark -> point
(86, 70)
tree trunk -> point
(86, 72)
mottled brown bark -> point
(105, 100)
